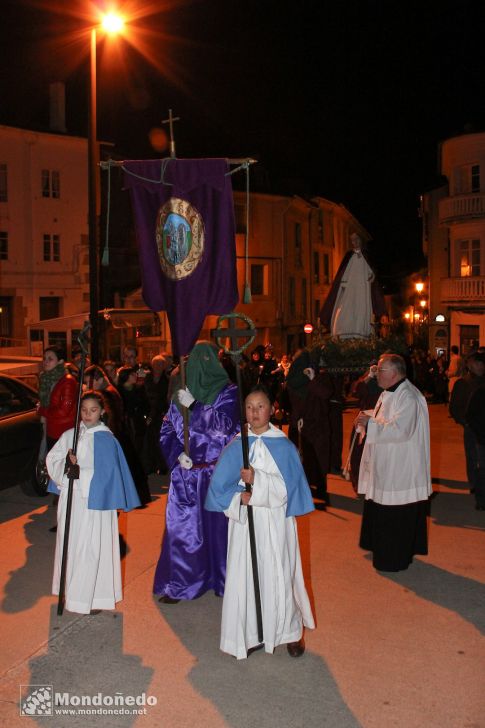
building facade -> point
(454, 241)
(44, 270)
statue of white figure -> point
(354, 298)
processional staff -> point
(82, 341)
(233, 333)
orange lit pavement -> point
(404, 650)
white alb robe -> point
(93, 575)
(352, 313)
(395, 465)
(284, 599)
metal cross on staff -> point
(234, 333)
(170, 121)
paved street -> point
(404, 650)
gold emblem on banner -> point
(180, 238)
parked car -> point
(20, 434)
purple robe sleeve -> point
(211, 427)
(172, 436)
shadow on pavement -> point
(16, 502)
(86, 658)
(463, 596)
(255, 692)
(457, 510)
(33, 580)
(458, 484)
(346, 503)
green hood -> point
(205, 374)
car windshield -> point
(14, 398)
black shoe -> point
(168, 600)
(93, 612)
(256, 648)
(53, 529)
(296, 649)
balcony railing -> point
(461, 208)
(465, 289)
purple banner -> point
(184, 216)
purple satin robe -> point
(193, 558)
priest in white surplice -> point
(279, 492)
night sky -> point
(345, 99)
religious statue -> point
(355, 299)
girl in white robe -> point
(284, 599)
(93, 574)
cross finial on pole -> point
(170, 121)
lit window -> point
(469, 258)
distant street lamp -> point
(111, 23)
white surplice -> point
(93, 575)
(352, 313)
(285, 604)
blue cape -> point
(226, 476)
(112, 487)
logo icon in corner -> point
(180, 238)
(36, 700)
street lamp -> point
(111, 23)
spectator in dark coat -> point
(156, 390)
(462, 391)
(309, 394)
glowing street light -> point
(419, 287)
(112, 23)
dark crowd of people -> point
(306, 398)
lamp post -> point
(93, 156)
(111, 23)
